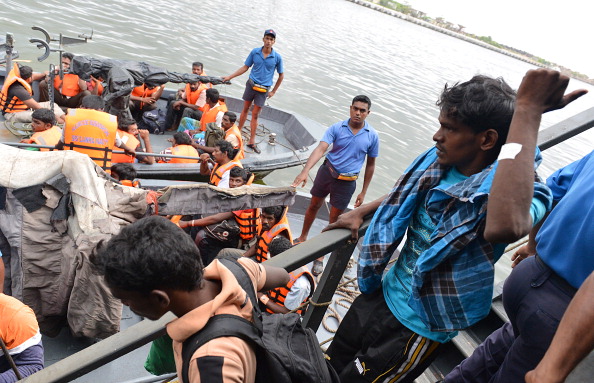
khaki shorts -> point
(25, 116)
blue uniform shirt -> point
(349, 150)
(566, 238)
(263, 68)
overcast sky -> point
(557, 31)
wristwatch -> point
(264, 299)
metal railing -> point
(337, 242)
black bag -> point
(212, 134)
(153, 121)
(225, 231)
(285, 351)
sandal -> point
(255, 148)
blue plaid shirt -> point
(452, 282)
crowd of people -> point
(445, 223)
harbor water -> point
(332, 51)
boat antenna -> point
(62, 41)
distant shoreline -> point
(457, 35)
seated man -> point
(224, 161)
(232, 134)
(274, 223)
(69, 91)
(128, 132)
(214, 109)
(540, 288)
(211, 240)
(20, 333)
(91, 131)
(45, 131)
(189, 100)
(182, 146)
(154, 268)
(16, 98)
(191, 104)
(296, 293)
(125, 174)
(144, 98)
(442, 280)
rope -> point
(25, 130)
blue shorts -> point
(340, 191)
(249, 94)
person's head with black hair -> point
(279, 245)
(197, 68)
(482, 103)
(474, 121)
(270, 216)
(42, 119)
(223, 152)
(238, 177)
(212, 96)
(124, 124)
(123, 171)
(93, 102)
(181, 138)
(229, 119)
(151, 266)
(26, 73)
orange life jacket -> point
(210, 115)
(14, 104)
(91, 132)
(267, 237)
(184, 150)
(216, 175)
(248, 222)
(91, 84)
(143, 91)
(132, 142)
(234, 130)
(192, 96)
(279, 295)
(68, 86)
(132, 184)
(49, 137)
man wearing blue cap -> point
(265, 61)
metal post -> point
(328, 283)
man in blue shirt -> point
(352, 141)
(265, 61)
(442, 279)
(561, 247)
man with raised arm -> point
(265, 61)
(442, 279)
(353, 141)
(539, 289)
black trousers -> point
(371, 344)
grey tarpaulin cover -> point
(123, 75)
(208, 199)
(46, 248)
(141, 72)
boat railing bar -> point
(566, 129)
(152, 379)
(24, 145)
(337, 242)
(101, 353)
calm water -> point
(332, 50)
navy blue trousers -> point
(535, 299)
